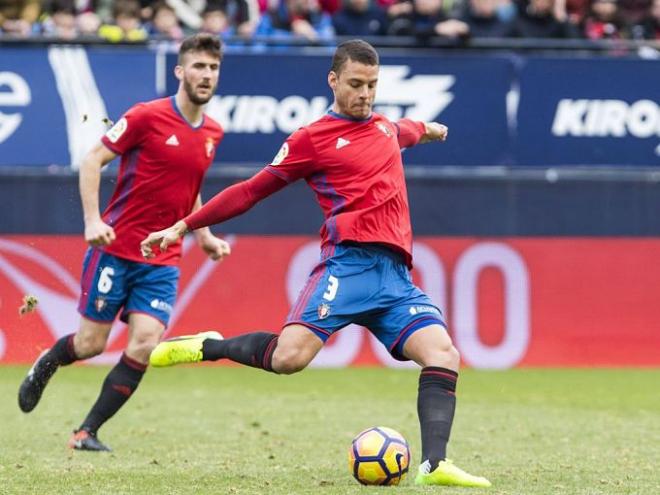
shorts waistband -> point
(376, 247)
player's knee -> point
(140, 346)
(445, 356)
(89, 345)
(289, 361)
(453, 356)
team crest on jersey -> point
(100, 304)
(323, 311)
(385, 129)
(281, 155)
(210, 146)
(117, 130)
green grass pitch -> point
(228, 430)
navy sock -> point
(252, 349)
(61, 354)
(436, 402)
(117, 388)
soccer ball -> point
(379, 456)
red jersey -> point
(163, 162)
(355, 169)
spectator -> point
(297, 18)
(603, 21)
(330, 6)
(69, 19)
(633, 11)
(128, 26)
(88, 24)
(576, 10)
(483, 20)
(399, 13)
(215, 21)
(649, 26)
(242, 15)
(360, 18)
(61, 22)
(164, 23)
(18, 17)
(427, 19)
(538, 19)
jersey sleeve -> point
(127, 132)
(410, 132)
(235, 200)
(295, 159)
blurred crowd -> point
(137, 20)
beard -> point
(193, 97)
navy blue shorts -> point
(110, 284)
(368, 285)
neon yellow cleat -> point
(447, 474)
(179, 350)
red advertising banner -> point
(508, 301)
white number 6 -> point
(105, 282)
(333, 285)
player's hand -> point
(164, 238)
(214, 247)
(99, 233)
(434, 132)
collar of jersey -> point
(176, 109)
(348, 117)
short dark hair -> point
(126, 8)
(355, 50)
(201, 42)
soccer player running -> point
(166, 146)
(351, 158)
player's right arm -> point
(125, 135)
(97, 232)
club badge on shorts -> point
(323, 311)
(100, 304)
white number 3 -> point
(333, 285)
(105, 282)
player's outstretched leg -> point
(32, 387)
(119, 385)
(252, 349)
(181, 350)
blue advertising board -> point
(263, 98)
(55, 103)
(589, 111)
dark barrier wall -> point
(512, 206)
(501, 109)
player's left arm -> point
(434, 131)
(228, 203)
(213, 246)
(412, 132)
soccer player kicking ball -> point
(166, 147)
(351, 158)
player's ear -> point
(332, 80)
(178, 72)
